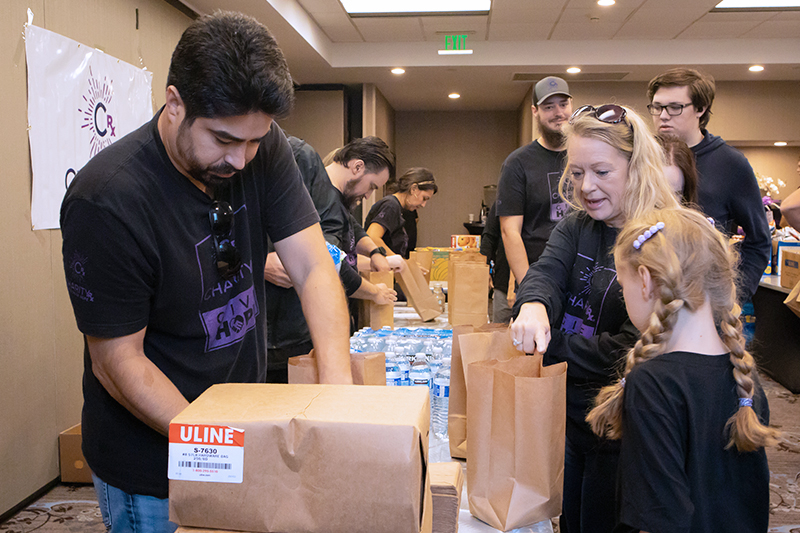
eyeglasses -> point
(228, 258)
(673, 110)
(608, 113)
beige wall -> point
(318, 119)
(379, 119)
(527, 129)
(464, 150)
(41, 351)
(776, 163)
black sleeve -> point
(351, 279)
(748, 212)
(655, 494)
(546, 279)
(592, 358)
(111, 292)
(358, 231)
(511, 189)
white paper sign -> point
(80, 100)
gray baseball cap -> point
(547, 87)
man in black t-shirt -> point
(528, 202)
(165, 238)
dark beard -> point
(551, 137)
(350, 200)
(205, 175)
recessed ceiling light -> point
(454, 96)
(756, 4)
(780, 143)
(606, 2)
(398, 71)
(573, 70)
(416, 7)
(756, 68)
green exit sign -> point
(455, 42)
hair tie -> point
(622, 383)
(647, 234)
(745, 402)
(711, 221)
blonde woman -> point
(569, 305)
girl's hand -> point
(530, 332)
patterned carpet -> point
(73, 508)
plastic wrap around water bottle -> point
(440, 400)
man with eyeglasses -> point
(165, 237)
(528, 203)
(680, 104)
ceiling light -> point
(756, 4)
(373, 8)
(573, 70)
(398, 71)
(454, 52)
(780, 143)
(756, 68)
(606, 2)
(454, 96)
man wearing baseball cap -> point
(528, 203)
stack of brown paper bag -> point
(447, 479)
(368, 368)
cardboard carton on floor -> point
(73, 465)
(313, 458)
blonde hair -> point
(647, 187)
(690, 263)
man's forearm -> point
(516, 255)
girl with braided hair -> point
(689, 409)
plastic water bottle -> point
(440, 400)
(435, 360)
(405, 368)
(393, 375)
(420, 373)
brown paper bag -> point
(424, 258)
(793, 300)
(447, 480)
(367, 368)
(468, 291)
(516, 412)
(418, 292)
(371, 314)
(457, 412)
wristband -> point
(379, 250)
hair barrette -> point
(622, 382)
(647, 234)
(711, 221)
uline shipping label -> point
(206, 453)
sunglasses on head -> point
(608, 113)
(228, 258)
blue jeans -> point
(132, 513)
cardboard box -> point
(790, 269)
(312, 458)
(73, 465)
(463, 242)
(783, 247)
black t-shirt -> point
(138, 254)
(528, 187)
(675, 475)
(410, 216)
(388, 213)
(492, 247)
(286, 323)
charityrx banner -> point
(80, 100)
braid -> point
(747, 432)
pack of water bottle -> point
(414, 357)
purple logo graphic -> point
(97, 117)
(229, 323)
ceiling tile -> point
(737, 16)
(717, 30)
(653, 24)
(518, 32)
(585, 31)
(786, 15)
(585, 14)
(390, 29)
(474, 27)
(775, 29)
(528, 11)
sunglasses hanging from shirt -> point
(228, 258)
